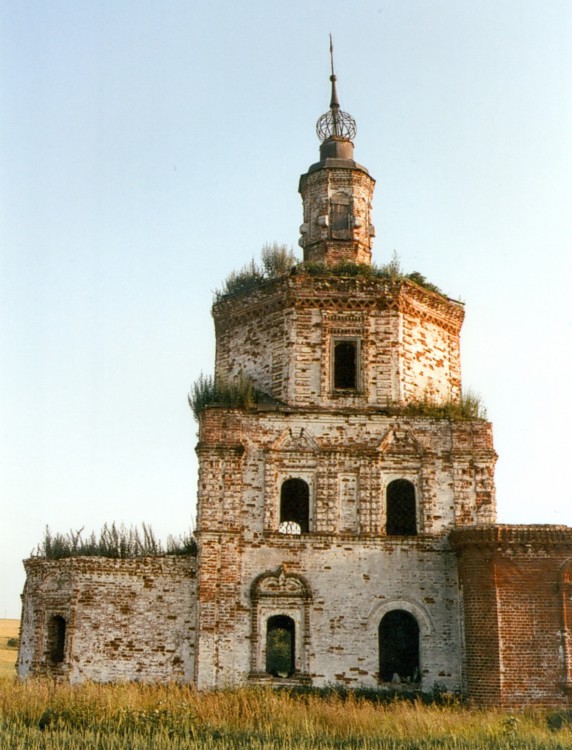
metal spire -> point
(335, 124)
(334, 103)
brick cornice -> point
(502, 536)
(94, 564)
(344, 293)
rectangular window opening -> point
(346, 364)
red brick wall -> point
(514, 613)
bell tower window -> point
(341, 216)
(345, 365)
(401, 508)
(294, 507)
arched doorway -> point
(280, 646)
(399, 647)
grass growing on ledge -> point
(468, 408)
(114, 542)
(238, 393)
(42, 715)
(278, 260)
(241, 393)
(391, 271)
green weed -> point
(236, 393)
(112, 541)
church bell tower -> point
(325, 504)
(336, 193)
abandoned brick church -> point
(346, 535)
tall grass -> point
(112, 541)
(468, 407)
(276, 260)
(239, 392)
(41, 714)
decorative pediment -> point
(400, 440)
(279, 583)
(298, 440)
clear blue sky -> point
(148, 148)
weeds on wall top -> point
(391, 271)
(279, 260)
(238, 393)
(275, 260)
(468, 408)
(113, 541)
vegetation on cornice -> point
(114, 542)
(241, 393)
(468, 408)
(207, 390)
(391, 271)
(278, 260)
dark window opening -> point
(280, 639)
(401, 512)
(56, 639)
(399, 648)
(340, 217)
(295, 505)
(345, 364)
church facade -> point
(346, 532)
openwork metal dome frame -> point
(336, 125)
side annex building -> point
(345, 535)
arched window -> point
(280, 648)
(295, 506)
(346, 364)
(399, 647)
(56, 639)
(401, 519)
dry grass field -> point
(40, 714)
(8, 656)
(44, 715)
